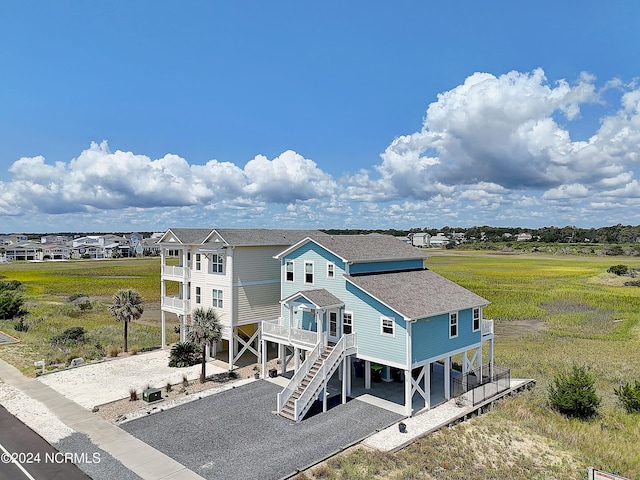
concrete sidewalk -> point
(134, 454)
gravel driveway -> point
(103, 382)
(236, 435)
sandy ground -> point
(110, 380)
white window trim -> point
(293, 271)
(332, 271)
(212, 264)
(346, 312)
(198, 295)
(217, 301)
(198, 261)
(393, 326)
(313, 272)
(453, 315)
(473, 318)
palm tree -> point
(205, 328)
(127, 306)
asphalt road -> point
(25, 455)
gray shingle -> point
(263, 236)
(191, 236)
(418, 293)
(321, 297)
(363, 248)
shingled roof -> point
(417, 293)
(365, 248)
(320, 297)
(263, 236)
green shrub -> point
(629, 396)
(184, 354)
(71, 335)
(574, 394)
(11, 303)
(618, 269)
(21, 326)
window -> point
(453, 325)
(331, 270)
(217, 265)
(308, 272)
(347, 323)
(476, 319)
(198, 295)
(198, 261)
(288, 267)
(387, 326)
(217, 298)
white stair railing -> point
(329, 366)
(283, 397)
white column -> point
(183, 333)
(447, 378)
(282, 355)
(427, 386)
(264, 358)
(232, 343)
(408, 399)
(163, 333)
(296, 359)
(348, 375)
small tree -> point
(11, 303)
(205, 329)
(183, 354)
(574, 394)
(629, 396)
(127, 306)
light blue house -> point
(353, 304)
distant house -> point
(420, 239)
(439, 240)
(523, 237)
(368, 301)
(24, 250)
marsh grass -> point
(49, 288)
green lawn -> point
(48, 288)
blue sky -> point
(146, 115)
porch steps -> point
(288, 411)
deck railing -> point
(283, 397)
(175, 271)
(175, 303)
(487, 327)
(273, 330)
(481, 383)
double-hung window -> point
(288, 268)
(308, 273)
(476, 319)
(198, 295)
(387, 326)
(216, 298)
(347, 323)
(331, 270)
(217, 264)
(198, 261)
(453, 325)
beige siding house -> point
(232, 271)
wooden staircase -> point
(288, 411)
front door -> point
(332, 331)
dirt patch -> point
(520, 327)
(565, 307)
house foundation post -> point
(263, 359)
(163, 333)
(367, 375)
(447, 378)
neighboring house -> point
(420, 239)
(439, 240)
(25, 250)
(370, 298)
(55, 251)
(523, 237)
(231, 270)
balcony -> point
(177, 272)
(487, 327)
(176, 305)
(274, 332)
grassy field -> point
(50, 285)
(549, 312)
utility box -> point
(273, 373)
(151, 395)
